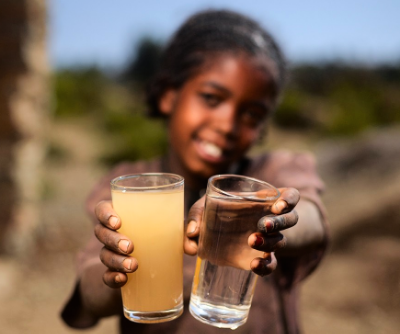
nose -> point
(225, 121)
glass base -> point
(216, 315)
(153, 317)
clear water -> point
(221, 295)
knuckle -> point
(195, 212)
(105, 280)
(97, 230)
(103, 255)
(296, 216)
(283, 221)
(292, 196)
(261, 225)
(103, 211)
(281, 243)
(113, 262)
(108, 279)
(107, 239)
(98, 209)
(280, 222)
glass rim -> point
(115, 186)
(236, 197)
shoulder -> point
(127, 167)
(284, 168)
(271, 164)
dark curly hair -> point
(208, 33)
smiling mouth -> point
(210, 151)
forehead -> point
(238, 71)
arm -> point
(97, 292)
(309, 232)
(97, 298)
(102, 278)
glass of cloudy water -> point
(150, 206)
(223, 284)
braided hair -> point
(208, 33)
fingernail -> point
(260, 268)
(281, 206)
(268, 225)
(123, 245)
(127, 263)
(193, 226)
(117, 279)
(113, 221)
(259, 241)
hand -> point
(268, 239)
(117, 247)
(194, 219)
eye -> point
(212, 100)
(253, 116)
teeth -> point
(212, 150)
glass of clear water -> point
(223, 284)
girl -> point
(218, 85)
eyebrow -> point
(217, 86)
(262, 105)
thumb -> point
(193, 227)
(194, 218)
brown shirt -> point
(274, 308)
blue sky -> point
(105, 32)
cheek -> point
(183, 124)
(249, 137)
(189, 117)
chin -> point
(206, 171)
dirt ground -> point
(355, 290)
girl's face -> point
(217, 115)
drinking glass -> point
(223, 283)
(151, 209)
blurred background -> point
(71, 105)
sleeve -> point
(297, 170)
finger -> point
(117, 262)
(113, 240)
(107, 216)
(282, 222)
(267, 243)
(114, 279)
(287, 201)
(265, 265)
(194, 218)
(192, 229)
(190, 246)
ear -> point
(167, 101)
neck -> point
(173, 165)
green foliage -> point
(55, 152)
(137, 137)
(329, 99)
(292, 113)
(117, 111)
(335, 99)
(78, 91)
